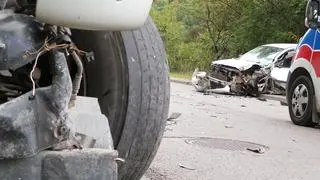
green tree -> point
(196, 32)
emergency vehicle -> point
(303, 84)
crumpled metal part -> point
(30, 125)
(246, 84)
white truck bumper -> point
(111, 15)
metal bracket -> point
(27, 125)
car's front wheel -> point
(300, 101)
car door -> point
(281, 67)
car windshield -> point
(262, 54)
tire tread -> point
(145, 138)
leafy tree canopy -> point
(197, 32)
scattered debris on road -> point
(257, 150)
(170, 123)
(154, 174)
(120, 160)
(185, 167)
(228, 127)
(262, 99)
(171, 120)
(174, 116)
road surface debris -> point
(185, 167)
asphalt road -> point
(212, 140)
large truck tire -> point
(129, 75)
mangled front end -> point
(242, 81)
(42, 130)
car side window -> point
(285, 60)
(288, 58)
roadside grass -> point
(181, 75)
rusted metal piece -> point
(77, 79)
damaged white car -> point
(261, 70)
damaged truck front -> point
(77, 92)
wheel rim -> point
(300, 99)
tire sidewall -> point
(306, 119)
(137, 108)
(148, 100)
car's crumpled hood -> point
(236, 63)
